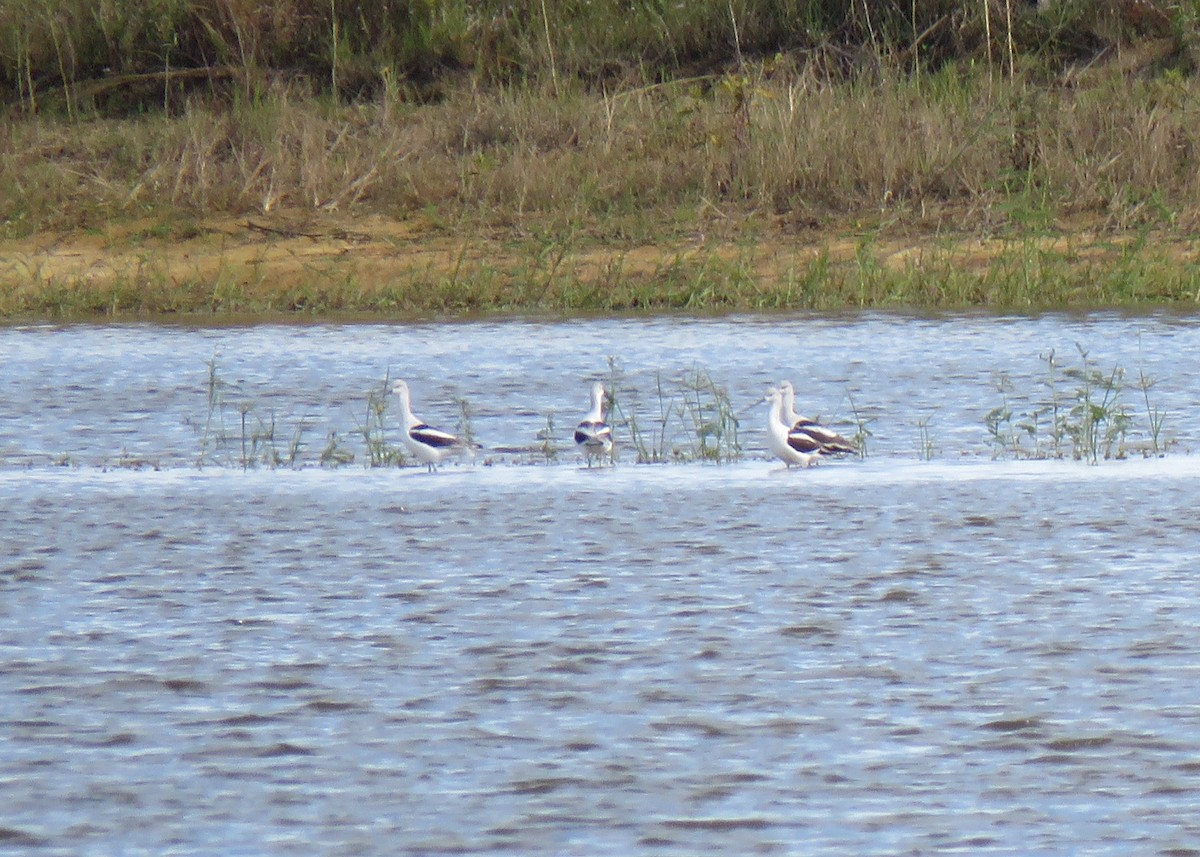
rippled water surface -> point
(896, 655)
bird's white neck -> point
(777, 410)
(406, 409)
(596, 414)
(788, 405)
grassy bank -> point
(222, 268)
(741, 159)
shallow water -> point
(877, 657)
(94, 396)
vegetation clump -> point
(694, 422)
(519, 155)
(691, 418)
(1089, 420)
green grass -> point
(1078, 411)
(373, 429)
(234, 432)
(1021, 274)
(688, 418)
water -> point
(877, 657)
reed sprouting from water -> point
(689, 417)
(709, 419)
(260, 441)
(464, 427)
(213, 427)
(258, 438)
(373, 430)
(1077, 411)
(862, 427)
(1155, 416)
(926, 448)
(1100, 420)
(335, 452)
(254, 443)
(545, 437)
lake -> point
(944, 647)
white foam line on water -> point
(456, 479)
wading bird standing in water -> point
(426, 443)
(798, 451)
(594, 435)
(827, 440)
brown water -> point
(878, 657)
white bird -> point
(593, 435)
(426, 443)
(801, 450)
(829, 441)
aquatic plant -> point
(125, 461)
(463, 427)
(654, 444)
(295, 445)
(545, 437)
(614, 390)
(710, 422)
(262, 434)
(1155, 416)
(691, 417)
(1099, 420)
(256, 440)
(1090, 418)
(373, 429)
(862, 427)
(214, 388)
(622, 414)
(1006, 432)
(259, 441)
(925, 446)
(334, 454)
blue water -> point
(894, 655)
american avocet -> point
(829, 441)
(427, 444)
(594, 435)
(801, 451)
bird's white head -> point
(400, 388)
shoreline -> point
(298, 265)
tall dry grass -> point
(1119, 148)
(636, 163)
(622, 120)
